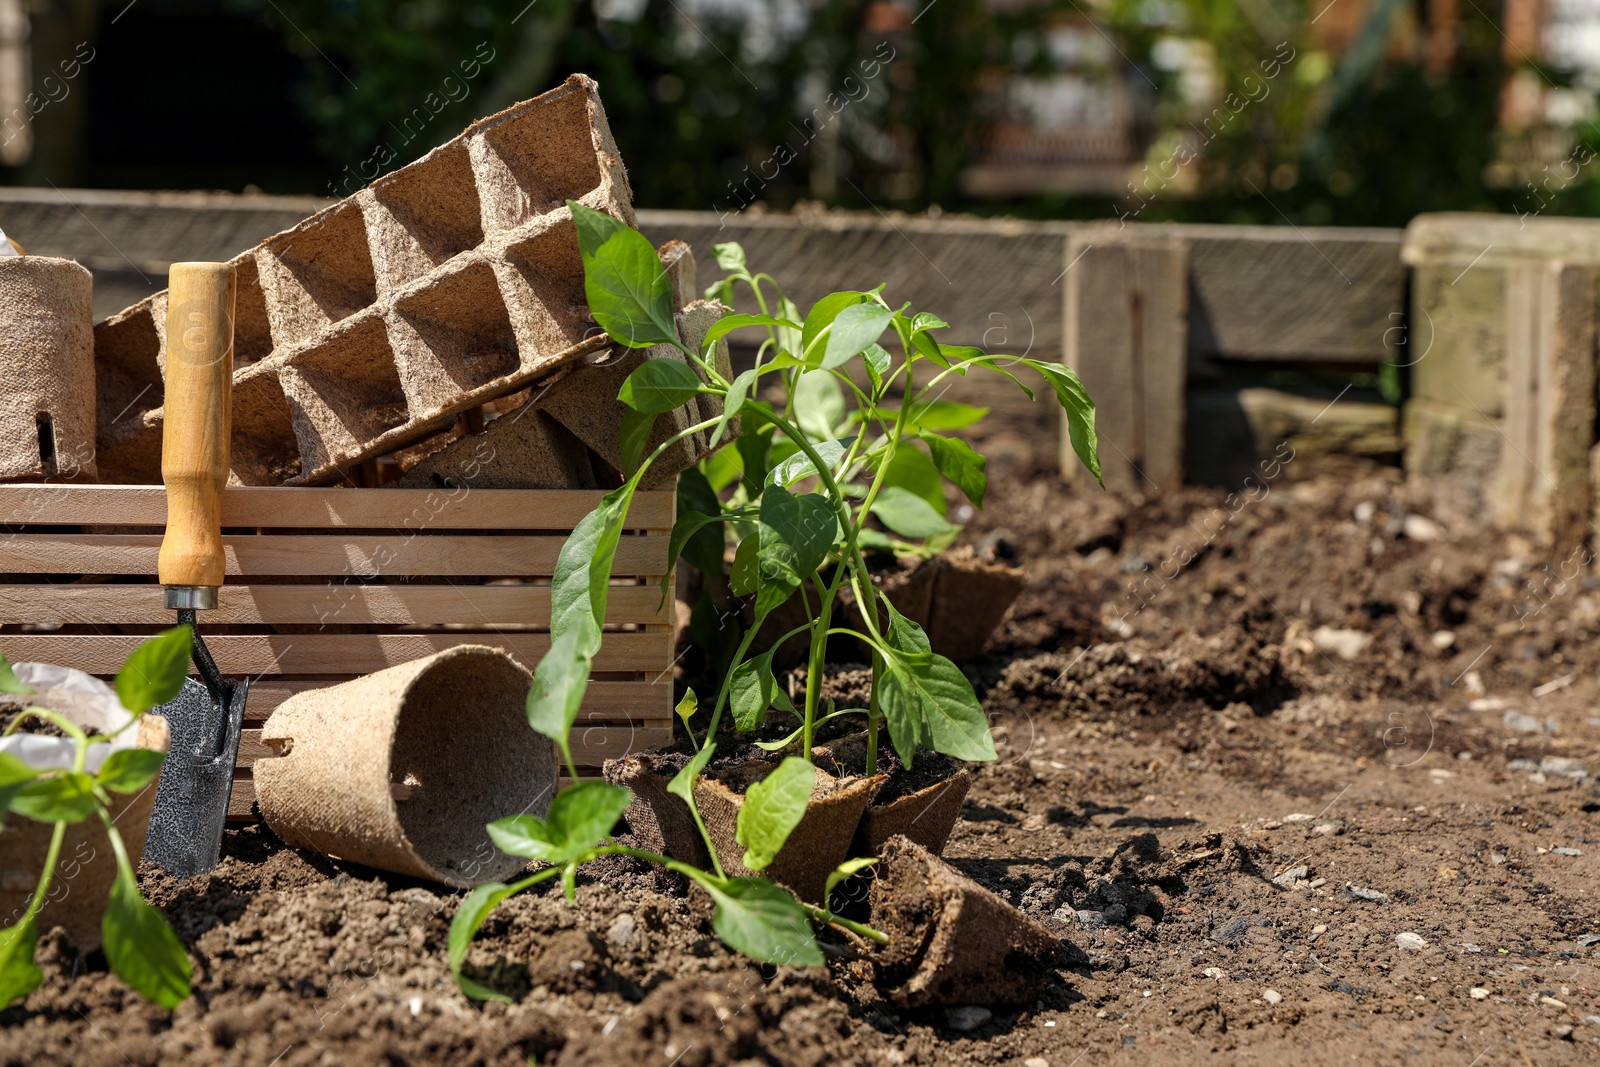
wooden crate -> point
(325, 585)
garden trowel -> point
(197, 779)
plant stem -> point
(872, 718)
(727, 678)
(822, 915)
(53, 854)
(814, 665)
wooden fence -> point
(1204, 346)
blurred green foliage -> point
(717, 106)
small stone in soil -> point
(1564, 851)
(623, 933)
(1585, 940)
(1564, 767)
(1328, 829)
(1272, 996)
(1477, 992)
(1411, 941)
(1288, 878)
(1299, 816)
(968, 1017)
(1234, 930)
(1517, 722)
(1356, 892)
(1214, 972)
(1035, 1061)
(1090, 919)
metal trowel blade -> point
(197, 779)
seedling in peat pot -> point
(813, 478)
(140, 946)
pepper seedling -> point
(140, 946)
(813, 478)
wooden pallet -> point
(325, 585)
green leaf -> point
(14, 777)
(583, 570)
(870, 540)
(797, 532)
(772, 808)
(64, 797)
(634, 438)
(998, 364)
(658, 385)
(927, 320)
(908, 514)
(733, 402)
(944, 415)
(914, 470)
(903, 634)
(929, 349)
(799, 466)
(764, 921)
(469, 917)
(746, 576)
(958, 461)
(821, 317)
(155, 672)
(521, 835)
(687, 707)
(682, 784)
(698, 507)
(790, 338)
(752, 689)
(9, 682)
(723, 468)
(845, 870)
(878, 362)
(559, 683)
(140, 946)
(129, 770)
(929, 692)
(19, 975)
(818, 404)
(584, 814)
(730, 257)
(853, 330)
(579, 818)
(1075, 400)
(628, 289)
(753, 446)
(728, 323)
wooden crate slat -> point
(326, 603)
(288, 555)
(280, 506)
(648, 703)
(269, 654)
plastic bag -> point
(83, 698)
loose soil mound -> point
(1298, 781)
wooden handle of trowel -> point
(197, 430)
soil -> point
(1300, 781)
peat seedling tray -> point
(325, 585)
